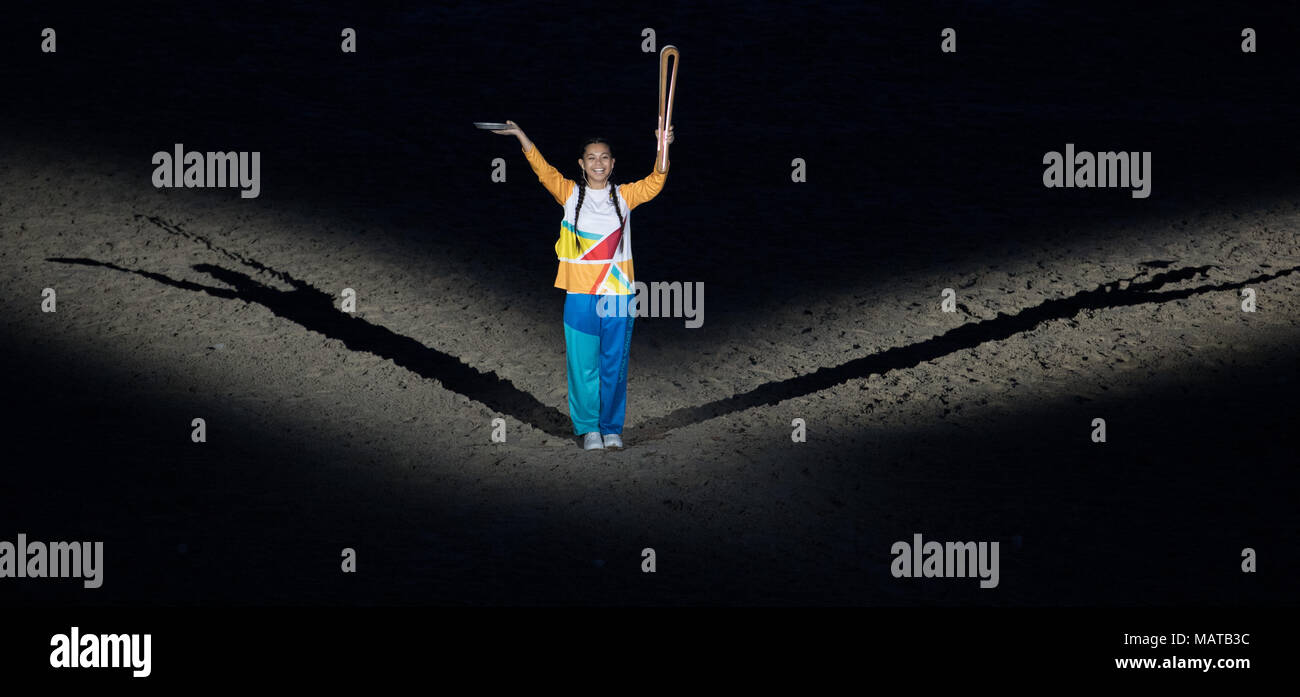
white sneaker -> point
(612, 440)
(591, 441)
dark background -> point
(913, 155)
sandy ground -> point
(373, 431)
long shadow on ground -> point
(314, 309)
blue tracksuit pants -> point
(596, 349)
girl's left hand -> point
(659, 132)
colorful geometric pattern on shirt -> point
(588, 246)
(597, 259)
(598, 278)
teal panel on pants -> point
(582, 352)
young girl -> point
(595, 253)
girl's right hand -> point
(514, 129)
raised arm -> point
(639, 192)
(550, 177)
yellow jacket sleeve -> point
(639, 192)
(550, 177)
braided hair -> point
(582, 186)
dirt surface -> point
(328, 431)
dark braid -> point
(613, 196)
(622, 238)
(577, 211)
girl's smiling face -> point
(598, 164)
